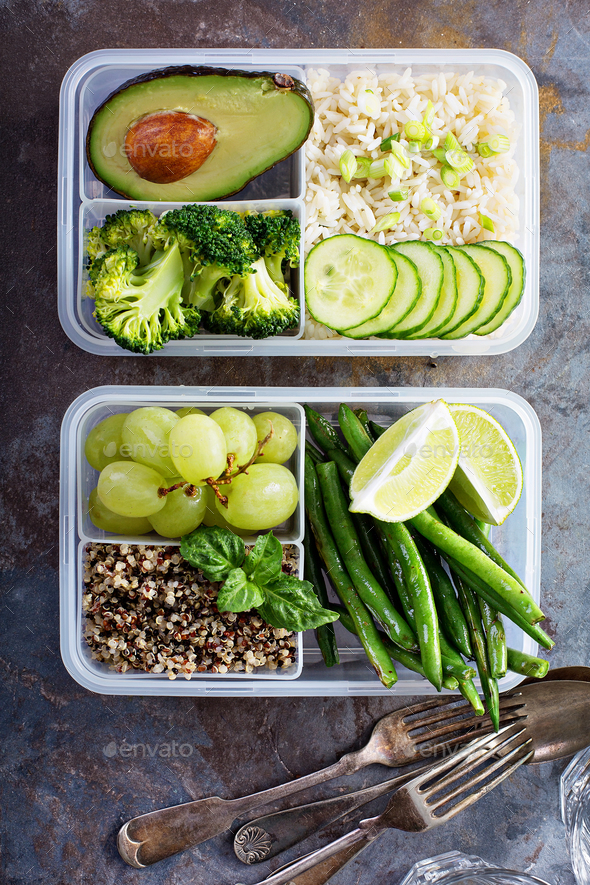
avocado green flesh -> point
(257, 126)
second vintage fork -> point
(432, 798)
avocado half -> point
(210, 130)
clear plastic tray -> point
(519, 540)
(81, 197)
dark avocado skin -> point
(281, 82)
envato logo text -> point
(141, 150)
(143, 450)
(473, 452)
(168, 750)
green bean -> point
(322, 431)
(347, 542)
(340, 580)
(346, 466)
(462, 522)
(406, 658)
(369, 539)
(325, 635)
(376, 429)
(315, 455)
(495, 634)
(478, 643)
(417, 580)
(364, 419)
(395, 568)
(484, 527)
(354, 433)
(482, 589)
(527, 665)
(449, 609)
(475, 560)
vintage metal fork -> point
(400, 738)
(432, 798)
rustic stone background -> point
(64, 794)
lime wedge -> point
(409, 466)
(488, 479)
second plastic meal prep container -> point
(518, 540)
(83, 201)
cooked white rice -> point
(472, 107)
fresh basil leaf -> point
(264, 562)
(293, 605)
(238, 594)
(214, 550)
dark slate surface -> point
(66, 784)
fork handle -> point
(151, 837)
(267, 836)
(323, 871)
(341, 847)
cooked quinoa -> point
(148, 609)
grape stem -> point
(227, 476)
(189, 490)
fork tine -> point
(470, 730)
(472, 765)
(464, 726)
(415, 709)
(487, 788)
(452, 761)
(462, 709)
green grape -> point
(103, 443)
(189, 410)
(105, 519)
(239, 431)
(181, 513)
(214, 517)
(260, 499)
(145, 438)
(130, 489)
(284, 441)
(197, 448)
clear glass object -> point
(455, 868)
(575, 813)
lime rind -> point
(488, 481)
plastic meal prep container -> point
(84, 201)
(519, 540)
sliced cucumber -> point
(448, 298)
(430, 271)
(497, 278)
(516, 290)
(469, 289)
(404, 297)
(348, 280)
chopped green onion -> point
(398, 196)
(387, 142)
(387, 222)
(431, 143)
(430, 209)
(363, 165)
(414, 147)
(440, 154)
(414, 131)
(460, 161)
(486, 222)
(384, 166)
(348, 165)
(451, 143)
(484, 150)
(368, 103)
(499, 144)
(400, 155)
(449, 177)
(428, 118)
(433, 233)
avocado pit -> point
(167, 146)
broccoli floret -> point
(127, 227)
(277, 236)
(215, 244)
(140, 307)
(253, 306)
